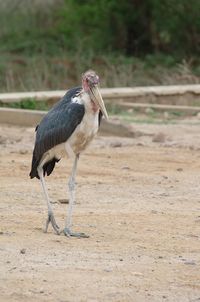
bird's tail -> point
(34, 165)
(47, 168)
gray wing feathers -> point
(56, 126)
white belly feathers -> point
(79, 140)
(84, 132)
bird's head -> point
(90, 82)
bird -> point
(66, 130)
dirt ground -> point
(137, 198)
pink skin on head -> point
(85, 85)
(90, 79)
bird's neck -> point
(89, 104)
(85, 86)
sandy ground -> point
(139, 201)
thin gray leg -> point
(71, 185)
(50, 217)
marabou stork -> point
(67, 129)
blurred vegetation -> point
(31, 104)
(48, 44)
(136, 115)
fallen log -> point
(30, 118)
(181, 94)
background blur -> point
(47, 44)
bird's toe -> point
(67, 232)
(51, 219)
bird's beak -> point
(97, 98)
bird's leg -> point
(71, 184)
(50, 217)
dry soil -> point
(139, 201)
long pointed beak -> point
(97, 98)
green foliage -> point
(130, 27)
(104, 25)
(176, 26)
(48, 44)
(31, 104)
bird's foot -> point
(51, 219)
(67, 232)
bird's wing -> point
(59, 123)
